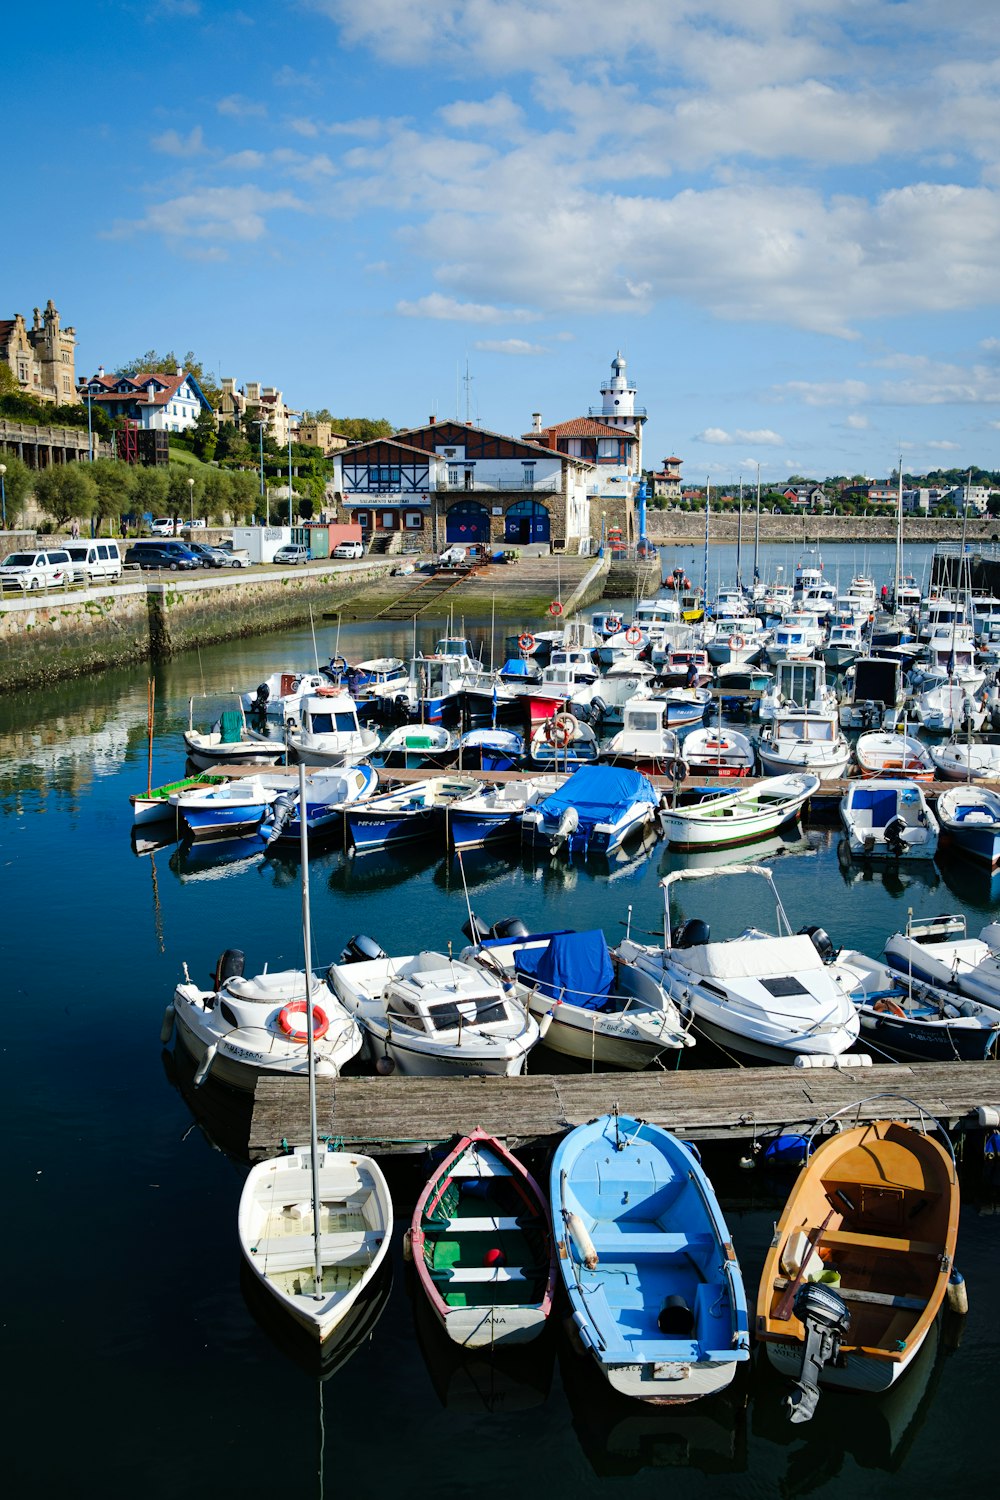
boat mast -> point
(310, 1030)
(739, 539)
(756, 532)
(704, 569)
(899, 538)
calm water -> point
(135, 1363)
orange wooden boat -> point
(872, 1220)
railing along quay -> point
(396, 1115)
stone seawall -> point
(89, 630)
(689, 526)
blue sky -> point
(786, 213)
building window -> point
(387, 520)
(363, 519)
(454, 477)
(413, 520)
(529, 476)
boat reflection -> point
(378, 869)
(896, 876)
(298, 1345)
(621, 1437)
(223, 1115)
(216, 860)
(476, 1380)
(791, 840)
(874, 1431)
(970, 882)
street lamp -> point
(289, 481)
(3, 494)
(191, 504)
(90, 431)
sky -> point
(784, 213)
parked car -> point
(172, 555)
(37, 570)
(239, 557)
(291, 553)
(349, 549)
(95, 562)
(162, 526)
(210, 557)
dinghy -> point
(418, 811)
(885, 754)
(966, 759)
(888, 820)
(154, 805)
(229, 743)
(653, 1282)
(722, 819)
(719, 752)
(231, 810)
(911, 1020)
(939, 951)
(482, 1244)
(858, 1268)
(970, 821)
(593, 812)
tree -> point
(8, 380)
(218, 495)
(114, 487)
(149, 491)
(232, 446)
(362, 429)
(993, 504)
(167, 364)
(204, 437)
(67, 492)
(184, 492)
(245, 495)
(16, 482)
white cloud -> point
(224, 214)
(172, 143)
(241, 108)
(508, 346)
(943, 446)
(718, 437)
(434, 305)
(857, 421)
(498, 113)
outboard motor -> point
(230, 966)
(826, 1320)
(475, 929)
(894, 840)
(694, 932)
(599, 708)
(568, 824)
(360, 949)
(509, 928)
(282, 808)
(820, 939)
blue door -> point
(468, 522)
(526, 521)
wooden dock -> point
(389, 1116)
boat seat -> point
(834, 1237)
(485, 1225)
(351, 1247)
(877, 1299)
(623, 1245)
(454, 1274)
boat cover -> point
(600, 794)
(879, 802)
(753, 958)
(573, 966)
(516, 667)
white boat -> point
(797, 684)
(944, 706)
(719, 752)
(243, 1028)
(605, 702)
(888, 820)
(844, 645)
(766, 996)
(279, 695)
(413, 743)
(721, 820)
(684, 705)
(643, 743)
(329, 733)
(965, 759)
(794, 639)
(800, 739)
(282, 1236)
(430, 1015)
(562, 742)
(882, 753)
(595, 1005)
(231, 810)
(229, 743)
(939, 951)
(970, 820)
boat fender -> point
(677, 768)
(544, 1024)
(957, 1294)
(230, 966)
(675, 1318)
(321, 1021)
(582, 1243)
(205, 1065)
(986, 1116)
(408, 1246)
(167, 1028)
(385, 1066)
(494, 1257)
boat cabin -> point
(800, 684)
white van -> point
(95, 562)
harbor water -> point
(139, 1361)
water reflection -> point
(970, 882)
(791, 840)
(378, 869)
(222, 1115)
(476, 1380)
(897, 876)
(294, 1343)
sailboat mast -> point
(310, 1029)
(704, 569)
(756, 532)
(899, 537)
(739, 539)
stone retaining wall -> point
(689, 526)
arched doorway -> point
(526, 521)
(468, 522)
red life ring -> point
(614, 624)
(526, 642)
(321, 1021)
(736, 643)
(559, 730)
(633, 635)
(889, 1007)
(555, 608)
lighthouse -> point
(618, 408)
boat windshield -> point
(812, 730)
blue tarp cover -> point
(575, 966)
(516, 667)
(879, 801)
(599, 792)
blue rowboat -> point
(224, 812)
(416, 811)
(652, 1278)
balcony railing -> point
(599, 412)
(550, 484)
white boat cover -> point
(751, 958)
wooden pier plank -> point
(392, 1115)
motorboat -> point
(481, 1241)
(231, 810)
(283, 1236)
(970, 821)
(888, 819)
(797, 684)
(604, 702)
(413, 746)
(858, 1269)
(593, 812)
(766, 996)
(647, 1261)
(439, 676)
(795, 638)
(229, 743)
(939, 951)
(643, 743)
(494, 814)
(882, 752)
(718, 821)
(909, 1019)
(562, 743)
(592, 1003)
(431, 1015)
(329, 732)
(874, 694)
(719, 752)
(278, 697)
(153, 805)
(243, 1028)
(490, 750)
(738, 639)
(328, 795)
(966, 759)
(844, 645)
(943, 705)
(684, 664)
(683, 705)
(417, 811)
(801, 739)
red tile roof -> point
(586, 427)
(170, 385)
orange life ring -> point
(614, 624)
(559, 730)
(889, 1007)
(526, 642)
(321, 1021)
(736, 643)
(329, 692)
(633, 635)
(555, 608)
